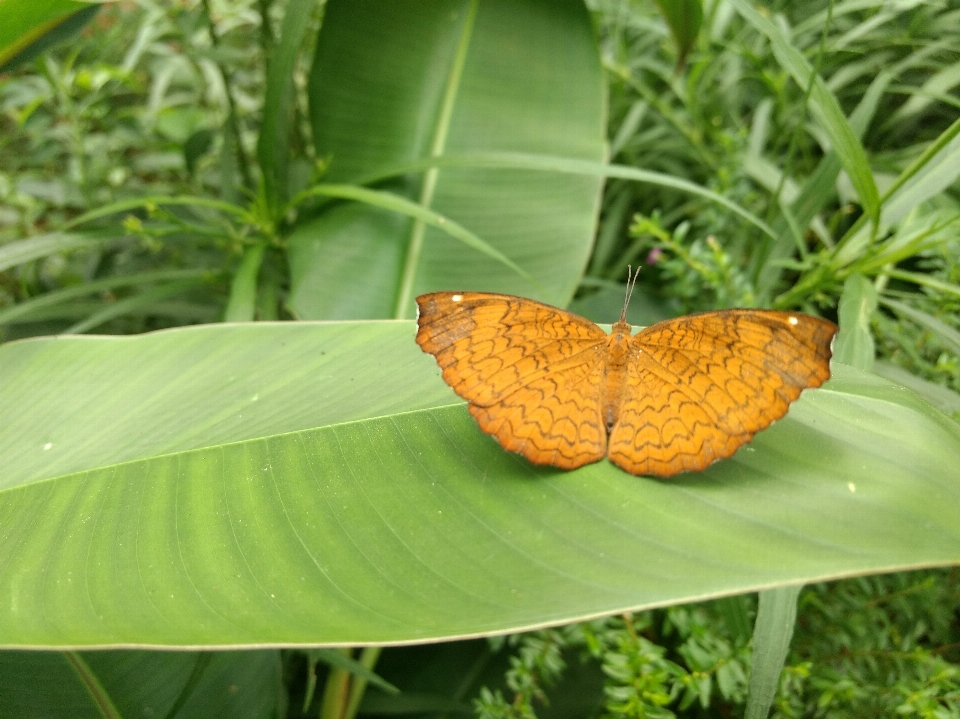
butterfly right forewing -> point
(532, 373)
(700, 386)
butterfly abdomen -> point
(618, 348)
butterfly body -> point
(675, 397)
(618, 354)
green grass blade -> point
(22, 251)
(818, 190)
(825, 108)
(854, 343)
(273, 144)
(242, 304)
(138, 303)
(924, 280)
(936, 169)
(948, 336)
(152, 202)
(683, 18)
(89, 679)
(776, 616)
(396, 203)
(336, 658)
(938, 84)
(571, 166)
(27, 308)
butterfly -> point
(676, 397)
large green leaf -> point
(29, 27)
(318, 483)
(185, 685)
(496, 76)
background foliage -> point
(162, 100)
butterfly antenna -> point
(631, 281)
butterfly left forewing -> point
(531, 373)
(699, 387)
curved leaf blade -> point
(531, 82)
(326, 512)
(776, 616)
(33, 248)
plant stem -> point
(368, 658)
(335, 693)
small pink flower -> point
(654, 255)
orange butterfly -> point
(675, 397)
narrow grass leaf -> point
(571, 166)
(396, 203)
(948, 336)
(935, 170)
(825, 108)
(817, 191)
(21, 251)
(924, 228)
(273, 144)
(336, 658)
(149, 204)
(940, 83)
(684, 18)
(27, 308)
(242, 304)
(138, 303)
(776, 616)
(854, 343)
(924, 280)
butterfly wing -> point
(532, 373)
(699, 387)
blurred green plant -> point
(140, 191)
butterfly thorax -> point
(618, 348)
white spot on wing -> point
(457, 298)
(793, 321)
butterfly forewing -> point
(699, 387)
(532, 373)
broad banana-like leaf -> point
(317, 483)
(395, 81)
